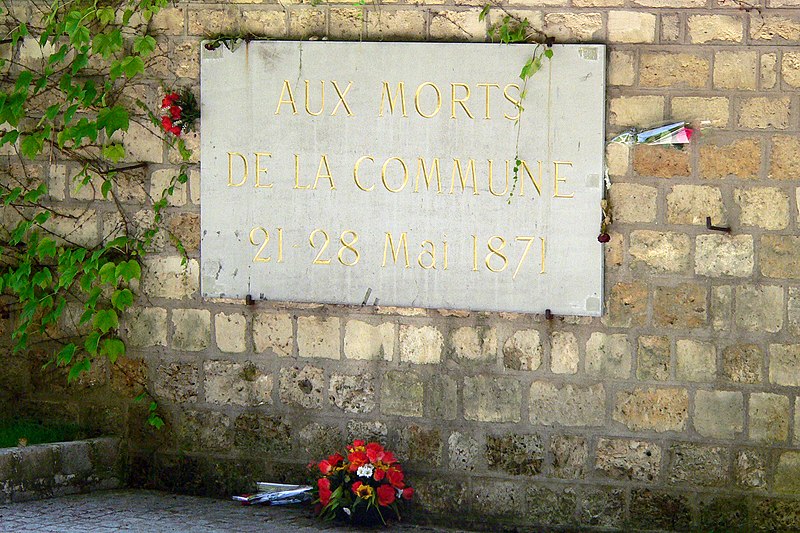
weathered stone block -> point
(682, 306)
(474, 344)
(691, 204)
(723, 513)
(352, 394)
(790, 68)
(772, 514)
(793, 309)
(367, 342)
(721, 307)
(632, 202)
(550, 505)
(346, 23)
(570, 454)
(608, 355)
(655, 509)
(305, 23)
(707, 28)
(185, 227)
(660, 252)
(146, 326)
(418, 445)
(515, 454)
(496, 500)
(784, 364)
(302, 387)
(631, 27)
(258, 432)
(787, 473)
(653, 358)
(263, 22)
(236, 383)
(765, 113)
(627, 305)
(192, 329)
(627, 459)
(740, 159)
(464, 452)
(573, 27)
(383, 24)
(719, 414)
(714, 109)
(741, 363)
(769, 417)
(523, 350)
(318, 337)
(724, 255)
(735, 70)
(776, 27)
(457, 25)
(769, 71)
(750, 469)
(492, 399)
(421, 345)
(779, 256)
(167, 277)
(763, 207)
(652, 409)
(564, 353)
(161, 180)
(620, 69)
(638, 111)
(273, 332)
(567, 405)
(230, 332)
(695, 361)
(660, 161)
(367, 430)
(443, 397)
(759, 308)
(177, 382)
(602, 507)
(784, 163)
(673, 70)
(402, 394)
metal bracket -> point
(248, 300)
(716, 228)
(549, 314)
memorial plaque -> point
(342, 172)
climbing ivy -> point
(69, 105)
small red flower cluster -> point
(170, 120)
(369, 478)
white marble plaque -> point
(333, 170)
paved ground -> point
(156, 512)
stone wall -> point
(678, 408)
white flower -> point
(399, 492)
(365, 471)
(347, 511)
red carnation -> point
(379, 474)
(395, 477)
(169, 100)
(324, 485)
(408, 493)
(325, 467)
(175, 130)
(385, 495)
(357, 459)
(175, 111)
(335, 459)
(166, 122)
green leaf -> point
(122, 299)
(31, 146)
(91, 342)
(84, 365)
(105, 319)
(129, 270)
(108, 273)
(105, 15)
(113, 349)
(64, 357)
(106, 44)
(548, 53)
(113, 119)
(483, 13)
(105, 188)
(114, 151)
(144, 45)
(155, 421)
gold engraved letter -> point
(389, 245)
(428, 176)
(459, 101)
(341, 96)
(430, 253)
(259, 170)
(287, 89)
(405, 174)
(537, 185)
(387, 95)
(308, 99)
(438, 99)
(323, 162)
(556, 179)
(355, 172)
(491, 176)
(488, 86)
(516, 103)
(462, 178)
(230, 169)
(297, 174)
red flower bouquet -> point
(180, 112)
(363, 486)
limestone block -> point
(776, 27)
(695, 360)
(230, 332)
(608, 355)
(723, 255)
(653, 358)
(765, 113)
(402, 394)
(664, 409)
(457, 25)
(750, 469)
(167, 277)
(273, 331)
(627, 305)
(663, 69)
(660, 161)
(523, 350)
(302, 387)
(492, 399)
(192, 329)
(515, 454)
(633, 111)
(469, 344)
(698, 465)
(443, 397)
(707, 28)
(421, 344)
(769, 417)
(570, 454)
(763, 207)
(784, 364)
(227, 383)
(620, 68)
(779, 256)
(719, 414)
(631, 27)
(573, 27)
(691, 204)
(146, 326)
(318, 337)
(631, 202)
(739, 159)
(721, 307)
(567, 405)
(177, 381)
(383, 24)
(660, 251)
(364, 341)
(464, 451)
(785, 158)
(759, 308)
(769, 71)
(627, 459)
(352, 394)
(683, 306)
(741, 363)
(713, 110)
(735, 70)
(787, 473)
(564, 353)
